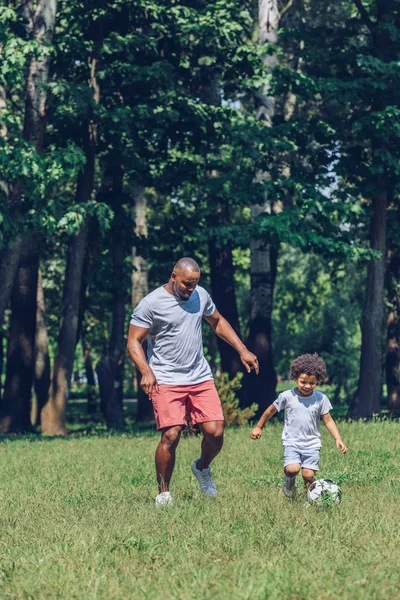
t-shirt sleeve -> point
(326, 406)
(209, 307)
(142, 315)
(280, 402)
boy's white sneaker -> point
(205, 480)
(289, 487)
(164, 499)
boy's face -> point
(306, 384)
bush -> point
(227, 389)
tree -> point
(39, 26)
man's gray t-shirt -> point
(302, 416)
(175, 343)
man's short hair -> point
(187, 264)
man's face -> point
(306, 384)
(184, 283)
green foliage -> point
(227, 389)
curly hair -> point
(311, 364)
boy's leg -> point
(309, 466)
(291, 462)
(308, 476)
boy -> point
(304, 406)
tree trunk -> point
(9, 261)
(16, 404)
(368, 396)
(40, 25)
(42, 357)
(91, 382)
(53, 414)
(393, 328)
(110, 370)
(261, 388)
(140, 286)
(220, 257)
(224, 296)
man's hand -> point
(256, 433)
(249, 360)
(149, 382)
(341, 446)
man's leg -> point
(213, 435)
(165, 455)
(213, 439)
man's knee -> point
(171, 436)
(213, 431)
(292, 470)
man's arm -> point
(228, 334)
(136, 337)
(334, 431)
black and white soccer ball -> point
(324, 491)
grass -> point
(78, 521)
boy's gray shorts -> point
(308, 459)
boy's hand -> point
(256, 433)
(341, 446)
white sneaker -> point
(205, 480)
(164, 499)
(289, 487)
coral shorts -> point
(174, 404)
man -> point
(177, 378)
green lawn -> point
(77, 520)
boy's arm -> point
(334, 431)
(256, 433)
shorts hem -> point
(206, 420)
(312, 467)
(172, 424)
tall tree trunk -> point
(224, 296)
(220, 257)
(140, 285)
(393, 328)
(16, 404)
(110, 370)
(40, 24)
(9, 262)
(261, 388)
(42, 357)
(40, 27)
(53, 413)
(91, 382)
(368, 396)
(52, 417)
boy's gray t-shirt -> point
(302, 416)
(175, 343)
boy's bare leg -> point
(291, 471)
(165, 455)
(308, 477)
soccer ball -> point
(324, 491)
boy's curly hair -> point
(311, 364)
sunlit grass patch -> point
(77, 520)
